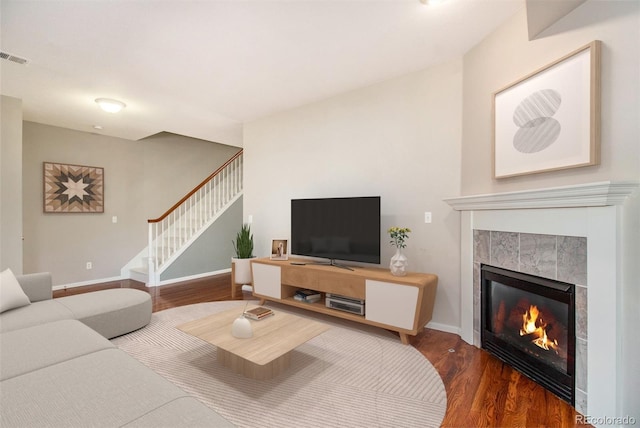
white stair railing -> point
(172, 232)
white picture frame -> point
(550, 119)
(279, 249)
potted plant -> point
(243, 247)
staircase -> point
(174, 231)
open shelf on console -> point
(321, 308)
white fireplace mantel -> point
(582, 195)
(593, 211)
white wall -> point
(506, 55)
(10, 183)
(398, 139)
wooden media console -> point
(398, 303)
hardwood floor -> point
(481, 390)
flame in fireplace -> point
(533, 325)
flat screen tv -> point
(337, 228)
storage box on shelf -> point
(402, 304)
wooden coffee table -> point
(267, 353)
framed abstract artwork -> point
(73, 188)
(549, 119)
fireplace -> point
(529, 323)
(589, 228)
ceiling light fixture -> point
(109, 105)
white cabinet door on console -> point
(266, 280)
(391, 304)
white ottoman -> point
(112, 312)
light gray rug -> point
(350, 376)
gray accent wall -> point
(10, 184)
(142, 179)
(212, 251)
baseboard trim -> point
(444, 327)
(83, 283)
(121, 278)
(190, 277)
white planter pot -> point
(242, 270)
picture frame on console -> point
(550, 119)
(279, 249)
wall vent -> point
(14, 58)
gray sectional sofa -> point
(58, 368)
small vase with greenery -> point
(243, 247)
(399, 263)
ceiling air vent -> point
(14, 58)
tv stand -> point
(403, 304)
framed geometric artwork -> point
(73, 188)
(549, 119)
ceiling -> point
(202, 68)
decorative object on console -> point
(73, 188)
(243, 247)
(279, 249)
(549, 119)
(399, 262)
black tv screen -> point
(337, 228)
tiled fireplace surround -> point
(572, 234)
(563, 258)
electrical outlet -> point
(427, 217)
(89, 265)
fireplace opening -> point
(528, 322)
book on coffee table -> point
(258, 313)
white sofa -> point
(58, 369)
